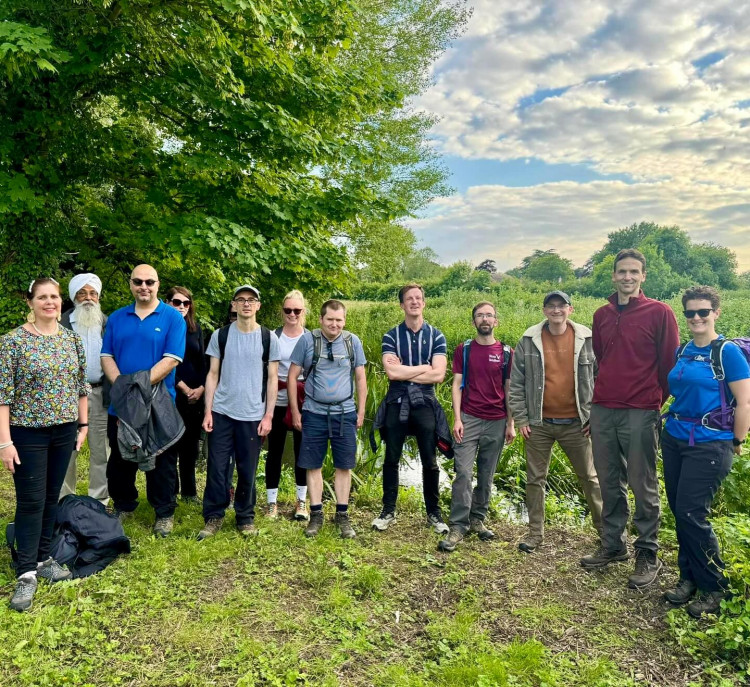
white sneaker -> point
(435, 520)
(384, 520)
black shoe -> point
(647, 567)
(707, 602)
(603, 557)
(682, 593)
(345, 526)
(316, 522)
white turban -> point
(81, 280)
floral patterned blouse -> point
(42, 377)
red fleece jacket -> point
(635, 349)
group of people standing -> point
(597, 392)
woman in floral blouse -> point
(43, 415)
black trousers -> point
(421, 425)
(230, 439)
(160, 481)
(44, 453)
(276, 441)
(692, 476)
(188, 445)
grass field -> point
(385, 609)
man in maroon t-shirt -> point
(482, 425)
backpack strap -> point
(317, 351)
(278, 331)
(507, 352)
(265, 337)
(680, 350)
(223, 336)
(465, 364)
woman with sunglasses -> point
(43, 417)
(190, 380)
(698, 445)
(293, 316)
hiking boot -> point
(212, 526)
(435, 520)
(300, 513)
(451, 541)
(272, 512)
(316, 522)
(248, 529)
(24, 593)
(477, 527)
(54, 572)
(164, 526)
(647, 567)
(345, 526)
(384, 520)
(122, 515)
(603, 557)
(682, 593)
(707, 602)
(530, 543)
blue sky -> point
(559, 125)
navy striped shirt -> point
(415, 348)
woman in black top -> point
(190, 383)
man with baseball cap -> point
(240, 398)
(551, 387)
(87, 319)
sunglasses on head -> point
(702, 312)
(147, 282)
(177, 302)
(289, 311)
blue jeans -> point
(44, 453)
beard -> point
(89, 315)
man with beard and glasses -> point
(87, 319)
(483, 423)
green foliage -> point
(544, 266)
(222, 141)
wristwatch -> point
(737, 442)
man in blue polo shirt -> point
(414, 359)
(145, 335)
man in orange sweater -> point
(635, 339)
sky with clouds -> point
(563, 120)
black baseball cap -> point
(557, 294)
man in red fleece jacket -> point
(634, 340)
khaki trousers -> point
(577, 447)
(98, 452)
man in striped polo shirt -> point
(414, 359)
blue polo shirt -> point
(138, 344)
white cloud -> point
(507, 224)
(645, 88)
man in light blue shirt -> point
(87, 319)
(334, 363)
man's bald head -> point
(144, 272)
(144, 285)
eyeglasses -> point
(702, 312)
(552, 308)
(289, 311)
(248, 301)
(177, 302)
(484, 316)
(329, 345)
(140, 282)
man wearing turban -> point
(87, 319)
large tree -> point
(222, 140)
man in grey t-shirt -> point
(239, 410)
(329, 413)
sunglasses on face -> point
(289, 311)
(177, 302)
(140, 282)
(703, 312)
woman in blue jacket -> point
(704, 429)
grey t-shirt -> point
(238, 394)
(332, 379)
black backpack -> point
(465, 369)
(265, 336)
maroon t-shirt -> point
(484, 395)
